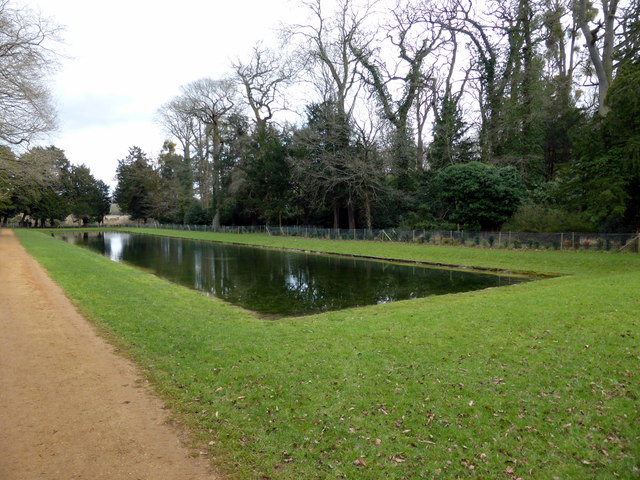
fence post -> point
(561, 240)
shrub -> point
(476, 194)
(539, 218)
(196, 214)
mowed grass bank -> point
(552, 262)
(533, 380)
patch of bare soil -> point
(70, 408)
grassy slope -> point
(537, 379)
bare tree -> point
(211, 103)
(600, 40)
(507, 71)
(460, 18)
(179, 123)
(402, 84)
(448, 146)
(26, 59)
(329, 38)
(560, 38)
(341, 168)
(263, 80)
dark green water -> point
(278, 283)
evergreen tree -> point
(137, 184)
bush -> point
(475, 194)
(196, 214)
(539, 218)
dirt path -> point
(70, 408)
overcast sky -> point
(125, 58)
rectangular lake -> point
(277, 283)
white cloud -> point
(125, 58)
(100, 148)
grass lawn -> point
(536, 380)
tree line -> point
(42, 187)
(419, 113)
(424, 113)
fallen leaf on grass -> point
(428, 442)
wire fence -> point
(628, 242)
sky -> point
(123, 59)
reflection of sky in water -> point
(296, 283)
(197, 268)
(116, 246)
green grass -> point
(536, 380)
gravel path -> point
(71, 408)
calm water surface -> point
(278, 283)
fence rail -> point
(629, 242)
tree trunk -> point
(602, 61)
(351, 215)
(336, 215)
(420, 154)
(217, 187)
(367, 212)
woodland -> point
(520, 114)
